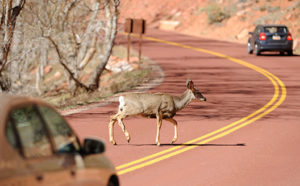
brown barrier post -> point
(128, 29)
(140, 47)
(128, 47)
(139, 27)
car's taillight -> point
(289, 37)
(262, 36)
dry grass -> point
(111, 83)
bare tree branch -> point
(61, 61)
(79, 33)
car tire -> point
(256, 49)
(290, 52)
(250, 51)
(113, 181)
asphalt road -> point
(247, 133)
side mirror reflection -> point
(93, 146)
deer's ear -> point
(189, 84)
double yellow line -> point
(277, 99)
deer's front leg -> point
(159, 123)
(111, 129)
(174, 122)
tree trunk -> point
(110, 34)
(8, 23)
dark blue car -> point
(270, 38)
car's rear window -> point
(275, 29)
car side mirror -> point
(251, 33)
(93, 146)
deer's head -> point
(196, 93)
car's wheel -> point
(250, 51)
(113, 181)
(256, 49)
(290, 52)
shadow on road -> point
(277, 55)
(193, 144)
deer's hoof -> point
(113, 142)
(127, 137)
(174, 140)
(157, 143)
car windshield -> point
(275, 29)
(64, 138)
(38, 131)
(31, 132)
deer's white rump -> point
(160, 106)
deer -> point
(161, 106)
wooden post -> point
(128, 29)
(128, 47)
(140, 47)
(136, 26)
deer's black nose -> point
(203, 99)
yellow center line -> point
(266, 109)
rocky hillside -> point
(229, 20)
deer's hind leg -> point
(121, 124)
(111, 124)
(159, 123)
(117, 117)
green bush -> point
(215, 14)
